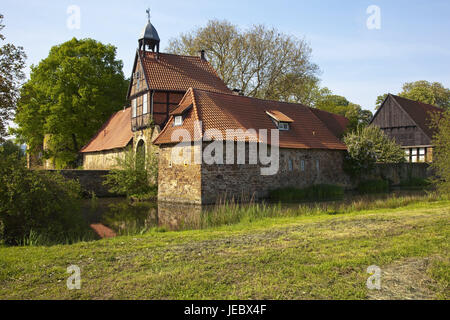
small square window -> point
(284, 126)
(178, 121)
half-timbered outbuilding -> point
(409, 123)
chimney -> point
(202, 55)
(237, 92)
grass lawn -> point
(306, 257)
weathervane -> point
(148, 14)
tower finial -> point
(148, 14)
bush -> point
(415, 182)
(38, 205)
(136, 175)
(367, 146)
(441, 151)
(316, 192)
(373, 186)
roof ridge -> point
(268, 100)
(419, 102)
(174, 54)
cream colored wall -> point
(103, 160)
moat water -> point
(130, 218)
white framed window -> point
(421, 154)
(178, 121)
(283, 126)
(414, 155)
(317, 165)
(145, 105)
(407, 153)
(290, 165)
(302, 165)
(133, 108)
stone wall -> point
(397, 172)
(90, 180)
(244, 182)
(188, 182)
(178, 182)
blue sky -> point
(358, 63)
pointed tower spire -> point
(149, 38)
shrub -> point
(367, 146)
(136, 175)
(316, 192)
(441, 151)
(415, 182)
(373, 186)
(36, 204)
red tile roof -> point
(334, 122)
(228, 111)
(115, 133)
(178, 73)
(419, 112)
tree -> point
(367, 146)
(340, 105)
(70, 94)
(432, 93)
(380, 100)
(9, 148)
(136, 174)
(441, 151)
(12, 61)
(261, 62)
(37, 204)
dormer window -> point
(281, 120)
(178, 121)
(284, 126)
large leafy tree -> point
(12, 61)
(424, 91)
(70, 94)
(259, 61)
(330, 102)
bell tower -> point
(149, 39)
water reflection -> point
(126, 218)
